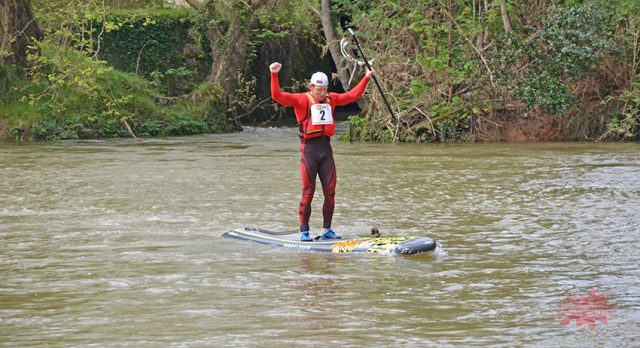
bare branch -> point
(104, 11)
(484, 60)
(315, 10)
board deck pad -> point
(401, 245)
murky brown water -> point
(117, 243)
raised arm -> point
(355, 93)
(284, 98)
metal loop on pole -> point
(344, 49)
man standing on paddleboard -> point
(314, 112)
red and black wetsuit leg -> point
(316, 159)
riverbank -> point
(452, 73)
(74, 97)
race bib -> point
(321, 114)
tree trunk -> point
(196, 4)
(230, 45)
(343, 70)
(230, 42)
(505, 17)
(450, 54)
(480, 39)
(229, 55)
(330, 35)
(20, 30)
(485, 36)
(1, 29)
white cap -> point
(319, 79)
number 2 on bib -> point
(321, 114)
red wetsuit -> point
(316, 155)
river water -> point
(117, 243)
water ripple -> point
(117, 243)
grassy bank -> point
(67, 95)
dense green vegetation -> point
(152, 43)
(69, 95)
(67, 92)
(457, 70)
(454, 70)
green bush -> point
(185, 124)
(546, 93)
(152, 44)
(70, 96)
(572, 40)
(625, 122)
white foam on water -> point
(440, 251)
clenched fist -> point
(275, 67)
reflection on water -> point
(118, 243)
